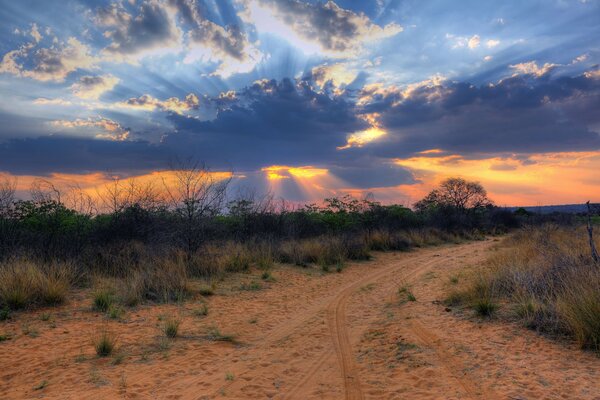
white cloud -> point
(173, 104)
(42, 101)
(531, 68)
(35, 33)
(108, 129)
(92, 87)
(474, 42)
(48, 64)
(492, 43)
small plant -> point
(267, 277)
(215, 334)
(253, 320)
(115, 312)
(406, 294)
(485, 307)
(171, 327)
(4, 337)
(4, 313)
(202, 311)
(229, 376)
(45, 317)
(104, 344)
(455, 298)
(454, 279)
(41, 386)
(103, 299)
(29, 331)
(206, 290)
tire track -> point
(336, 317)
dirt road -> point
(308, 335)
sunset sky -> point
(307, 99)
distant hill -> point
(563, 208)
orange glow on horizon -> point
(550, 178)
(539, 179)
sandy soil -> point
(308, 335)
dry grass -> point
(546, 278)
(25, 283)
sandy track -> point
(307, 336)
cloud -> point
(48, 64)
(92, 87)
(207, 41)
(42, 101)
(492, 43)
(335, 31)
(531, 113)
(151, 31)
(531, 68)
(474, 42)
(593, 74)
(41, 155)
(109, 129)
(35, 33)
(173, 104)
(339, 75)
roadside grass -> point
(545, 278)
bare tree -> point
(119, 195)
(80, 201)
(8, 188)
(195, 194)
(590, 230)
(44, 191)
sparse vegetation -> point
(201, 311)
(547, 277)
(171, 327)
(104, 343)
(406, 294)
(103, 298)
(213, 333)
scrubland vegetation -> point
(147, 243)
(544, 277)
(137, 243)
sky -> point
(307, 99)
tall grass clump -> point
(25, 283)
(104, 343)
(548, 280)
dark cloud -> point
(43, 155)
(131, 36)
(518, 114)
(291, 123)
(270, 123)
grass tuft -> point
(104, 343)
(171, 327)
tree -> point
(455, 193)
(195, 194)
